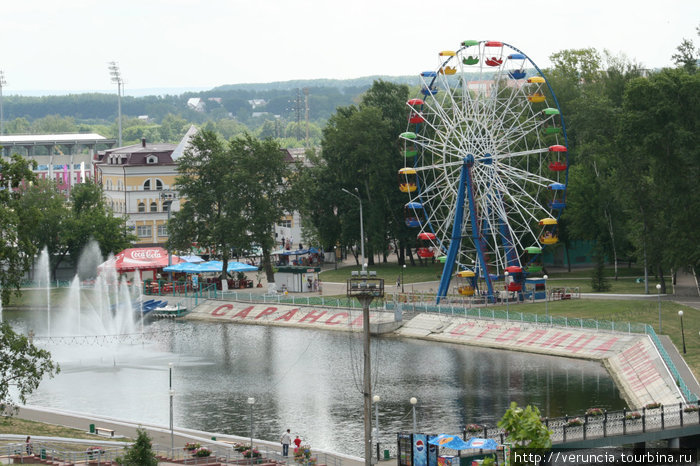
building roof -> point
(53, 139)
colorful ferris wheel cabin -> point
(425, 248)
(407, 180)
(549, 232)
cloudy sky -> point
(65, 46)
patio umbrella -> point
(452, 442)
(192, 258)
(482, 443)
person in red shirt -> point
(297, 443)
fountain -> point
(98, 302)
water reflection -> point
(310, 382)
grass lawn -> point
(13, 425)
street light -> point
(658, 292)
(680, 314)
(376, 399)
(117, 78)
(170, 198)
(402, 272)
(362, 230)
(507, 292)
(546, 301)
(335, 251)
(413, 401)
(251, 402)
(171, 392)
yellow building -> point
(138, 183)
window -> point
(166, 206)
(154, 206)
(163, 230)
(147, 185)
(152, 159)
(142, 207)
(159, 185)
(143, 231)
(285, 223)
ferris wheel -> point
(486, 165)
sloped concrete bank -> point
(632, 359)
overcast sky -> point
(65, 45)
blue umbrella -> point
(453, 442)
(186, 267)
(482, 443)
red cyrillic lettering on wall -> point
(532, 338)
(574, 348)
(340, 315)
(457, 329)
(606, 345)
(243, 313)
(313, 316)
(222, 310)
(287, 315)
(504, 336)
(489, 327)
(266, 312)
(557, 339)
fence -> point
(598, 423)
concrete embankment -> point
(632, 359)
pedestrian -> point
(28, 445)
(297, 443)
(285, 440)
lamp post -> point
(402, 273)
(171, 393)
(364, 286)
(658, 293)
(680, 314)
(507, 292)
(117, 78)
(413, 401)
(168, 197)
(335, 251)
(546, 300)
(251, 402)
(376, 399)
(362, 231)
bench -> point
(104, 431)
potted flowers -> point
(634, 415)
(201, 452)
(473, 428)
(653, 405)
(192, 446)
(302, 455)
(254, 452)
(691, 409)
(594, 412)
(574, 422)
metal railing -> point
(601, 425)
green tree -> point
(525, 430)
(22, 366)
(16, 250)
(262, 179)
(44, 216)
(658, 165)
(360, 152)
(91, 219)
(211, 214)
(140, 453)
(686, 55)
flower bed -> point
(192, 446)
(255, 453)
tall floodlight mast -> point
(2, 121)
(117, 78)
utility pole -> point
(2, 121)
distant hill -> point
(301, 83)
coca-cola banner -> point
(141, 258)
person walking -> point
(28, 445)
(286, 440)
